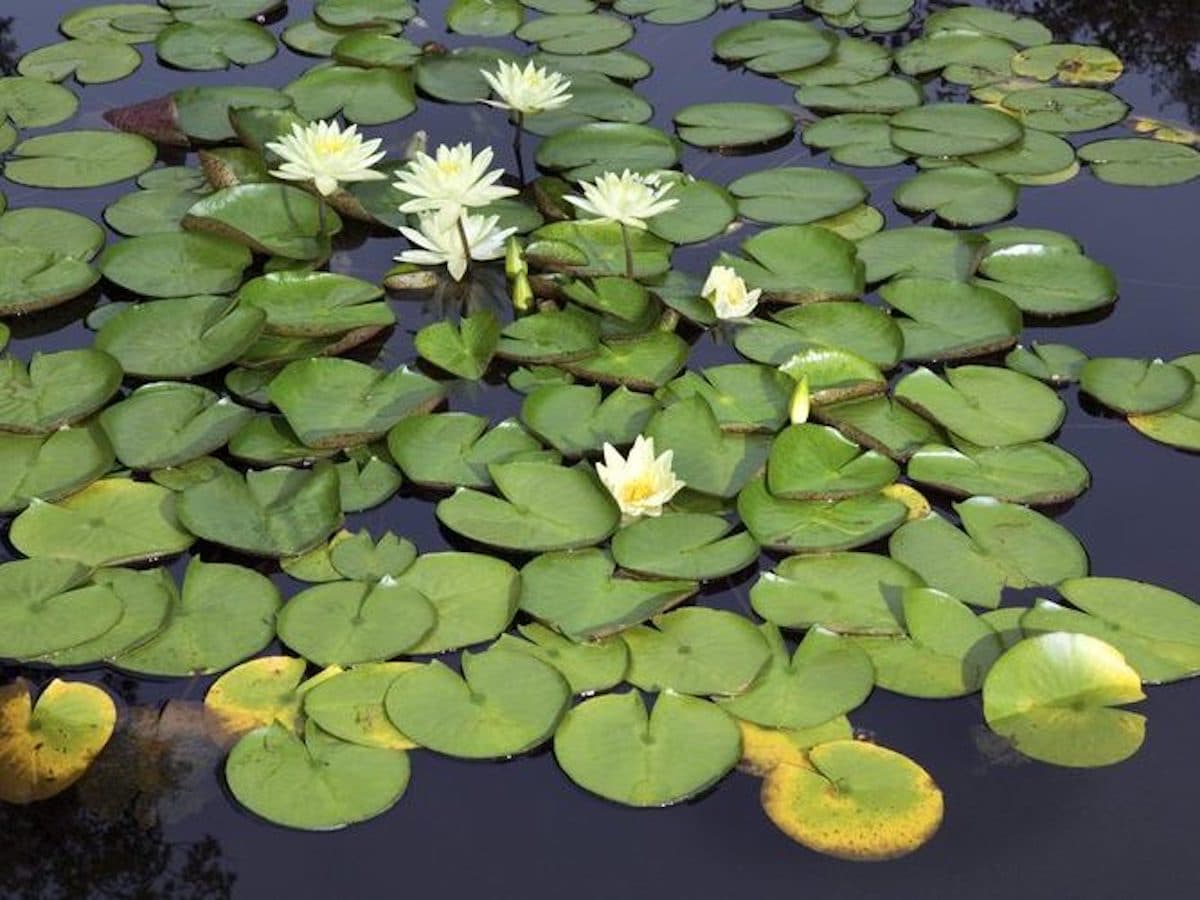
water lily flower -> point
(642, 484)
(527, 91)
(726, 291)
(451, 180)
(628, 198)
(454, 241)
(324, 154)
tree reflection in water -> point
(8, 47)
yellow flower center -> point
(330, 146)
(639, 489)
(450, 166)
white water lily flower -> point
(628, 198)
(641, 484)
(325, 155)
(528, 91)
(726, 291)
(440, 242)
(451, 180)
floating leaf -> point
(796, 195)
(576, 34)
(47, 747)
(56, 389)
(1045, 279)
(504, 704)
(1179, 426)
(919, 251)
(349, 705)
(612, 747)
(48, 607)
(889, 94)
(1054, 695)
(90, 61)
(1069, 63)
(421, 445)
(815, 462)
(588, 666)
(51, 466)
(274, 219)
(854, 801)
(774, 45)
(1135, 386)
(475, 597)
(586, 151)
(817, 526)
(855, 139)
(316, 304)
(363, 96)
(949, 319)
(864, 330)
(258, 693)
(881, 424)
(959, 195)
(1035, 474)
(169, 423)
(1053, 363)
(33, 103)
(695, 651)
(1005, 545)
(723, 125)
(1065, 110)
(214, 44)
(706, 458)
(79, 159)
(317, 784)
(1134, 161)
(175, 265)
(464, 351)
(799, 264)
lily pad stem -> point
(462, 236)
(517, 146)
(628, 251)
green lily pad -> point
(48, 747)
(150, 212)
(269, 441)
(349, 622)
(1035, 474)
(588, 666)
(1065, 110)
(504, 704)
(349, 705)
(550, 336)
(882, 424)
(590, 150)
(1005, 545)
(338, 402)
(707, 459)
(828, 676)
(35, 279)
(1024, 31)
(1069, 63)
(363, 96)
(834, 375)
(594, 98)
(946, 652)
(576, 593)
(1052, 363)
(1046, 279)
(855, 139)
(203, 10)
(214, 44)
(1135, 386)
(48, 606)
(721, 125)
(455, 449)
(34, 103)
(455, 77)
(799, 264)
(1055, 697)
(138, 22)
(921, 252)
(988, 406)
(853, 61)
(145, 598)
(796, 195)
(1037, 153)
(369, 48)
(817, 526)
(695, 651)
(774, 45)
(90, 61)
(610, 746)
(950, 319)
(316, 304)
(465, 350)
(363, 13)
(79, 159)
(169, 423)
(180, 338)
(274, 219)
(175, 265)
(56, 389)
(960, 195)
(850, 593)
(575, 34)
(485, 18)
(864, 330)
(646, 362)
(1180, 425)
(51, 466)
(257, 693)
(1140, 162)
(971, 58)
(890, 94)
(317, 784)
(276, 512)
(366, 480)
(742, 397)
(475, 597)
(692, 546)
(815, 462)
(952, 129)
(109, 522)
(579, 419)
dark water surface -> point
(520, 829)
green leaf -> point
(799, 264)
(695, 651)
(350, 705)
(959, 195)
(855, 139)
(706, 458)
(33, 103)
(484, 18)
(1065, 109)
(952, 129)
(742, 397)
(90, 61)
(774, 45)
(464, 351)
(316, 304)
(950, 319)
(363, 96)
(796, 195)
(817, 526)
(1035, 474)
(720, 125)
(576, 34)
(1136, 386)
(584, 152)
(56, 389)
(692, 546)
(79, 159)
(1045, 279)
(175, 265)
(475, 597)
(275, 219)
(889, 94)
(48, 606)
(169, 423)
(214, 44)
(51, 466)
(815, 462)
(579, 419)
(589, 667)
(866, 331)
(455, 449)
(1140, 162)
(1053, 363)
(919, 251)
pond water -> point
(1012, 827)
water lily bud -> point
(522, 294)
(514, 259)
(799, 405)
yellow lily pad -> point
(765, 748)
(45, 748)
(259, 692)
(855, 801)
(916, 502)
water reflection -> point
(1162, 39)
(8, 47)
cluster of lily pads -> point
(216, 407)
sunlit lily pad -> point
(274, 219)
(350, 705)
(855, 139)
(742, 397)
(34, 103)
(646, 362)
(464, 350)
(864, 330)
(223, 615)
(815, 462)
(853, 61)
(952, 129)
(578, 594)
(826, 677)
(612, 747)
(695, 651)
(1035, 474)
(258, 693)
(708, 459)
(1005, 545)
(796, 195)
(834, 375)
(684, 545)
(1055, 697)
(319, 783)
(455, 449)
(579, 419)
(316, 304)
(851, 593)
(799, 264)
(1024, 31)
(364, 96)
(1068, 63)
(576, 33)
(1180, 425)
(49, 746)
(111, 521)
(131, 23)
(1135, 386)
(1052, 363)
(475, 597)
(504, 704)
(882, 424)
(48, 606)
(817, 526)
(51, 466)
(1046, 279)
(590, 150)
(855, 801)
(919, 251)
(889, 94)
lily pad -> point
(693, 546)
(775, 45)
(919, 251)
(695, 651)
(505, 703)
(855, 801)
(1064, 110)
(576, 593)
(950, 320)
(79, 159)
(34, 103)
(855, 139)
(317, 784)
(48, 606)
(889, 94)
(475, 597)
(579, 419)
(590, 150)
(1068, 63)
(866, 331)
(316, 304)
(815, 462)
(350, 705)
(51, 466)
(1055, 697)
(799, 264)
(1005, 545)
(454, 449)
(722, 125)
(817, 526)
(1180, 425)
(796, 195)
(258, 693)
(465, 350)
(109, 522)
(274, 219)
(214, 44)
(826, 677)
(1135, 386)
(1140, 162)
(741, 397)
(363, 96)
(588, 666)
(707, 459)
(90, 61)
(575, 34)
(1046, 279)
(169, 423)
(882, 424)
(610, 746)
(176, 264)
(1035, 474)
(960, 195)
(49, 746)
(1052, 363)
(952, 129)
(56, 389)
